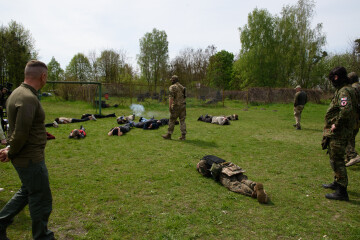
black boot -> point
(330, 185)
(3, 234)
(339, 194)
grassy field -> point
(140, 186)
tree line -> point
(276, 51)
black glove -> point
(325, 142)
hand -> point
(4, 155)
(333, 127)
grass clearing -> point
(140, 186)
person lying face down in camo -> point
(232, 177)
(125, 119)
(120, 130)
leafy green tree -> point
(280, 51)
(109, 66)
(55, 72)
(16, 49)
(191, 65)
(257, 54)
(299, 46)
(153, 57)
(79, 69)
(220, 70)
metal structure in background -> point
(73, 82)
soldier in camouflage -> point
(339, 125)
(232, 177)
(299, 104)
(177, 107)
(352, 156)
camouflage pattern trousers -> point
(297, 114)
(350, 149)
(175, 113)
(336, 153)
(238, 183)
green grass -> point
(140, 186)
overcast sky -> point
(65, 28)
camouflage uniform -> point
(342, 113)
(229, 175)
(178, 108)
(350, 149)
(299, 104)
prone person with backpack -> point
(231, 176)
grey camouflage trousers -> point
(175, 113)
(297, 114)
(350, 149)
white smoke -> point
(137, 109)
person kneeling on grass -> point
(232, 177)
(121, 130)
(78, 133)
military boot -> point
(330, 185)
(167, 136)
(3, 234)
(339, 194)
(182, 137)
(260, 193)
(353, 161)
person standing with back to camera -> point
(27, 140)
(177, 107)
(299, 104)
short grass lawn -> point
(140, 186)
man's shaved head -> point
(34, 69)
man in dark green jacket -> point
(27, 140)
(299, 103)
(340, 120)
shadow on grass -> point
(311, 130)
(201, 143)
(354, 167)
